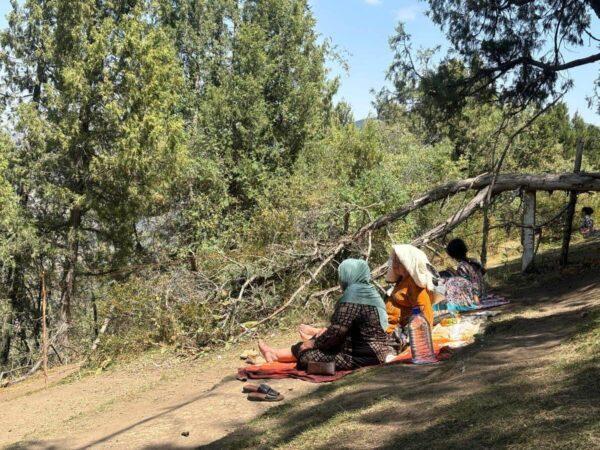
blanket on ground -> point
(277, 370)
(444, 339)
(491, 300)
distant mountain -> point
(362, 122)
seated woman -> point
(408, 268)
(356, 336)
(465, 285)
(587, 224)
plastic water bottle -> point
(421, 344)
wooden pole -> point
(485, 233)
(528, 230)
(564, 255)
(44, 331)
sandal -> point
(265, 394)
(262, 388)
(259, 397)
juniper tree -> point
(522, 47)
(94, 92)
(258, 86)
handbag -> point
(321, 368)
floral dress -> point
(464, 290)
(587, 226)
(354, 339)
(473, 272)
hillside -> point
(530, 381)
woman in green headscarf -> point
(356, 336)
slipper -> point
(262, 388)
(272, 396)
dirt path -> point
(142, 405)
(503, 392)
(148, 404)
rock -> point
(185, 433)
(246, 354)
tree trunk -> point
(95, 315)
(16, 303)
(580, 182)
(6, 336)
(452, 222)
(68, 284)
(528, 231)
(485, 232)
(564, 256)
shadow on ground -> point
(508, 389)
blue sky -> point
(360, 29)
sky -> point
(360, 30)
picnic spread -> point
(450, 333)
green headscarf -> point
(355, 279)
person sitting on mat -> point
(356, 336)
(408, 268)
(307, 332)
(587, 224)
(471, 293)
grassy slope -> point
(531, 381)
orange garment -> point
(405, 296)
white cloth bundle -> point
(415, 262)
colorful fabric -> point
(441, 343)
(464, 288)
(277, 370)
(354, 276)
(404, 297)
(587, 226)
(459, 295)
(588, 222)
(490, 300)
(473, 272)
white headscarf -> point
(415, 261)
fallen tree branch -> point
(302, 286)
(103, 329)
(580, 182)
(62, 329)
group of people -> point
(367, 330)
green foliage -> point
(518, 47)
(258, 91)
(177, 165)
(18, 236)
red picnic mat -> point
(277, 370)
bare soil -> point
(462, 403)
(144, 404)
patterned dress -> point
(473, 272)
(587, 226)
(466, 289)
(354, 339)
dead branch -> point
(303, 285)
(579, 182)
(103, 329)
(62, 329)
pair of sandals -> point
(261, 393)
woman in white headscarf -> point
(408, 268)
